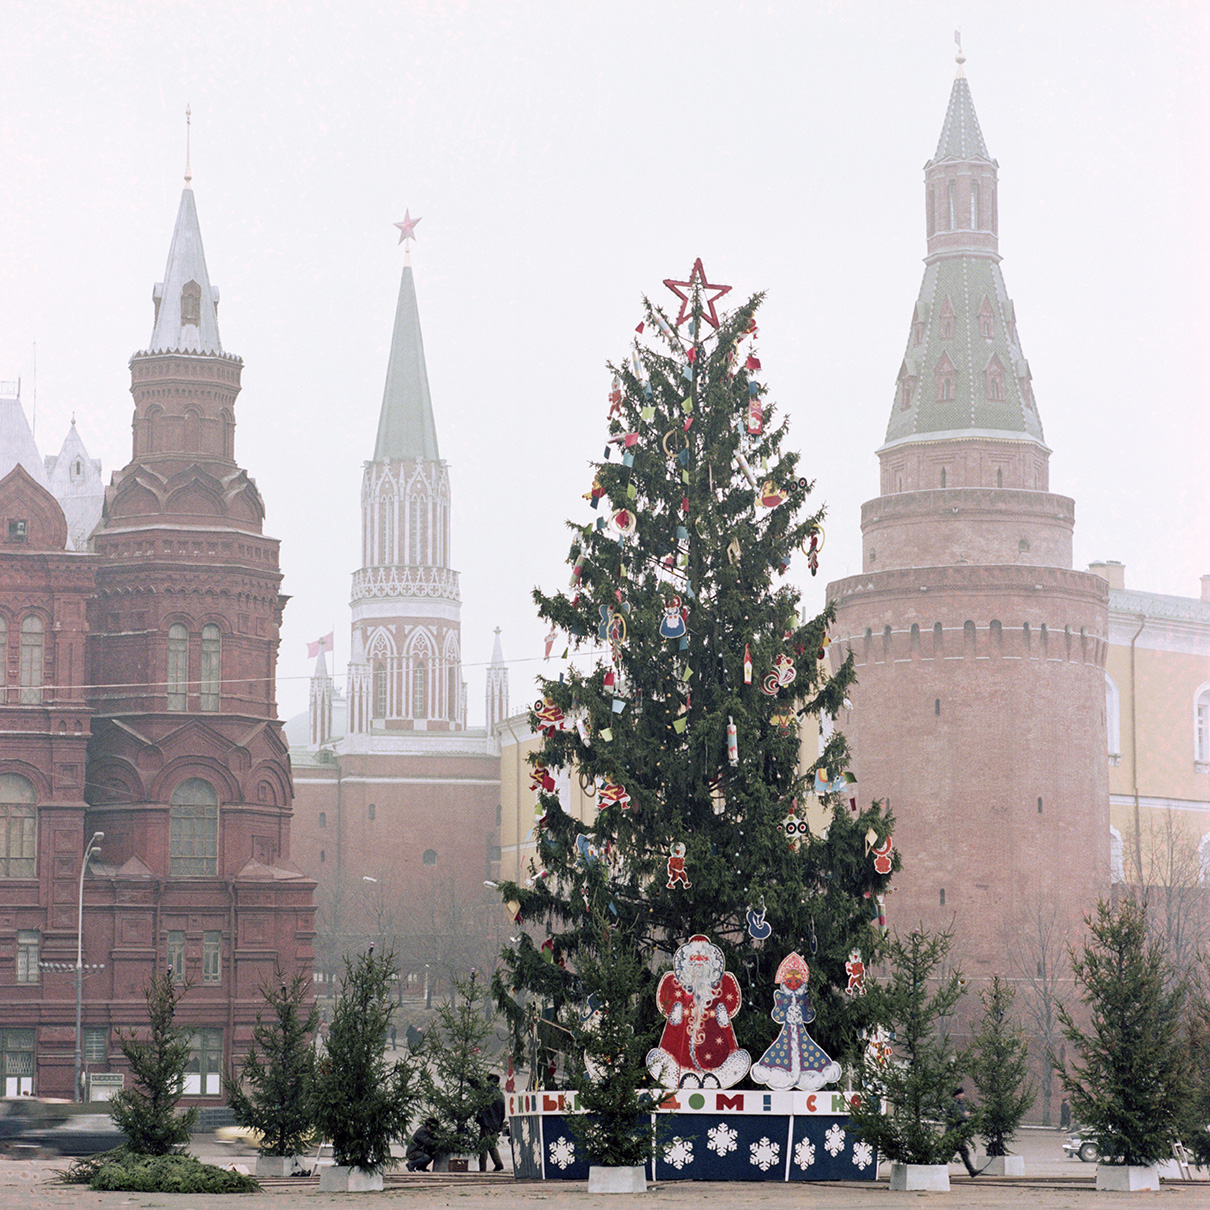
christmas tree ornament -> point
(550, 642)
(541, 780)
(732, 742)
(756, 416)
(826, 785)
(550, 717)
(747, 664)
(752, 365)
(615, 397)
(513, 908)
(771, 496)
(673, 624)
(594, 493)
(783, 721)
(698, 998)
(734, 551)
(697, 281)
(587, 851)
(783, 674)
(879, 1051)
(795, 830)
(612, 794)
(624, 521)
(882, 856)
(758, 928)
(811, 546)
(676, 867)
(794, 1060)
(745, 468)
(855, 969)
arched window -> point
(420, 695)
(1201, 727)
(930, 212)
(1203, 860)
(1113, 719)
(995, 379)
(430, 857)
(191, 303)
(947, 320)
(3, 660)
(943, 476)
(323, 819)
(193, 829)
(18, 826)
(380, 689)
(974, 205)
(386, 529)
(986, 319)
(31, 660)
(953, 212)
(212, 651)
(947, 378)
(178, 667)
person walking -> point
(957, 1115)
(491, 1121)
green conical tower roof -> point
(405, 426)
(963, 374)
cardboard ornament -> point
(698, 999)
(794, 1060)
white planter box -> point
(1127, 1178)
(1005, 1165)
(339, 1179)
(279, 1165)
(930, 1178)
(630, 1179)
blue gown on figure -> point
(794, 1060)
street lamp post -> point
(94, 846)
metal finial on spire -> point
(959, 58)
(188, 169)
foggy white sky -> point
(565, 159)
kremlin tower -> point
(979, 708)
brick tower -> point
(979, 708)
(189, 775)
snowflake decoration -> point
(834, 1140)
(804, 1154)
(525, 1130)
(562, 1152)
(764, 1154)
(721, 1139)
(679, 1152)
(863, 1155)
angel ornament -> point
(794, 1060)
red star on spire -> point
(698, 277)
(407, 229)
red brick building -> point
(979, 710)
(398, 802)
(142, 705)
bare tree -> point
(1166, 871)
(1038, 953)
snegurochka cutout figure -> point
(794, 1060)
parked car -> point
(1080, 1146)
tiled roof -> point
(961, 138)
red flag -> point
(323, 644)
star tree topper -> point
(698, 277)
(407, 229)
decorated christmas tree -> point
(690, 677)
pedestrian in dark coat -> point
(491, 1122)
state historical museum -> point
(138, 695)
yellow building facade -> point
(1157, 722)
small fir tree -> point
(999, 1068)
(616, 1127)
(146, 1112)
(275, 1094)
(918, 1081)
(686, 725)
(456, 1087)
(1129, 1084)
(363, 1103)
(1196, 1129)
